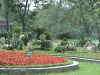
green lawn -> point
(84, 69)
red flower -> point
(20, 58)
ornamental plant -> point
(20, 58)
(42, 38)
(60, 49)
(16, 29)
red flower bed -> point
(20, 58)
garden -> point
(49, 37)
(13, 54)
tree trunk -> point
(7, 21)
(97, 30)
(24, 17)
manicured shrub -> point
(42, 37)
(48, 36)
(16, 29)
(60, 49)
(48, 44)
(25, 37)
(64, 42)
(38, 32)
(65, 39)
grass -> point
(84, 69)
(79, 53)
(38, 66)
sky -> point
(32, 4)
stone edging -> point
(84, 59)
(22, 71)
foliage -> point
(81, 42)
(64, 35)
(25, 37)
(7, 36)
(16, 29)
(12, 39)
(98, 46)
(42, 37)
(48, 35)
(3, 35)
(60, 49)
(64, 42)
(36, 42)
(16, 43)
(38, 31)
(47, 45)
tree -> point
(7, 6)
(95, 13)
(22, 13)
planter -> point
(25, 71)
(84, 59)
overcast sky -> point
(32, 6)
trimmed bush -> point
(60, 49)
(48, 44)
(17, 29)
(48, 36)
(64, 42)
(38, 32)
(81, 42)
(25, 37)
(42, 37)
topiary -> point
(64, 42)
(48, 44)
(16, 29)
(42, 38)
(36, 42)
(38, 32)
(60, 49)
(48, 35)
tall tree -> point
(7, 5)
(95, 13)
(23, 12)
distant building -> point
(3, 25)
